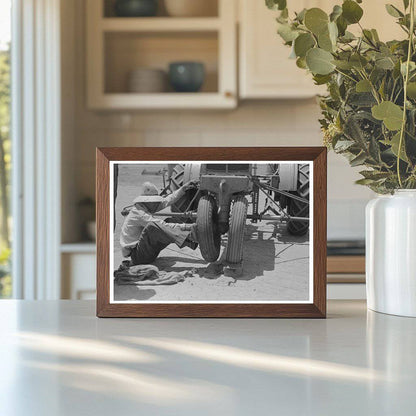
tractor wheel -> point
(176, 181)
(208, 234)
(238, 216)
(297, 208)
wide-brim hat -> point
(147, 198)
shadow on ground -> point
(258, 254)
(128, 292)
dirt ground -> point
(275, 267)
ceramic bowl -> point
(135, 8)
(147, 80)
(186, 76)
(191, 8)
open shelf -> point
(116, 46)
(160, 24)
(108, 9)
(80, 247)
(127, 51)
(130, 101)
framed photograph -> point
(211, 232)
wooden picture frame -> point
(314, 308)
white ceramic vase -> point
(391, 253)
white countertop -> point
(57, 359)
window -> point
(5, 145)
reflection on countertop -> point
(58, 358)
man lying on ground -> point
(143, 236)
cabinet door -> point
(265, 68)
(78, 276)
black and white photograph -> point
(215, 232)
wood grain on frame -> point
(317, 309)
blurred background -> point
(100, 73)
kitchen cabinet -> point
(265, 70)
(118, 45)
(78, 263)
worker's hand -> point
(126, 211)
(190, 185)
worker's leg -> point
(154, 238)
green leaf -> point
(368, 36)
(374, 175)
(406, 4)
(375, 35)
(374, 150)
(327, 39)
(319, 61)
(316, 20)
(394, 143)
(342, 25)
(351, 11)
(363, 86)
(300, 17)
(333, 32)
(364, 181)
(336, 12)
(348, 37)
(303, 43)
(286, 32)
(321, 79)
(276, 4)
(385, 63)
(412, 67)
(381, 89)
(343, 145)
(325, 43)
(358, 160)
(377, 75)
(354, 131)
(411, 90)
(361, 99)
(301, 63)
(358, 61)
(396, 71)
(284, 14)
(391, 114)
(341, 64)
(393, 11)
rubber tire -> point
(298, 208)
(176, 181)
(238, 217)
(208, 234)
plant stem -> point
(373, 89)
(345, 75)
(406, 80)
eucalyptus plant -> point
(369, 112)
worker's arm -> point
(172, 198)
(143, 218)
(175, 196)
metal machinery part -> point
(223, 189)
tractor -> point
(220, 203)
